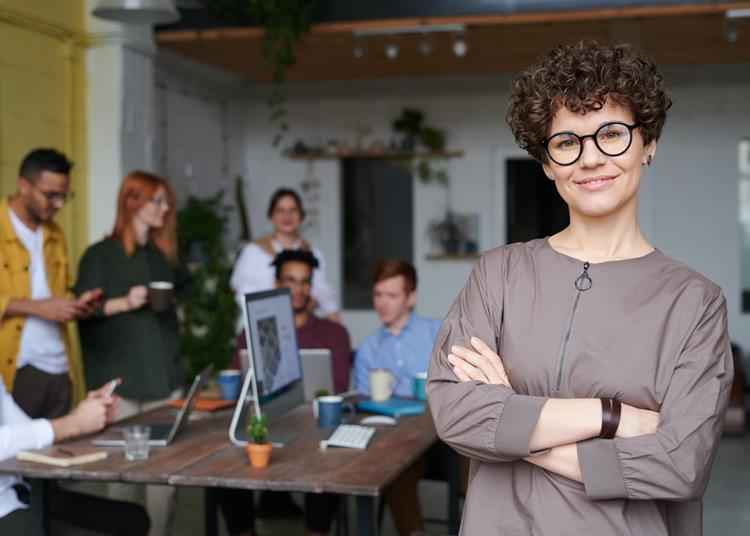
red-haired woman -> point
(127, 338)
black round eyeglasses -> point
(612, 139)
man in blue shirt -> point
(403, 343)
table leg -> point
(209, 512)
(39, 507)
(365, 516)
(454, 475)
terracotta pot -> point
(259, 455)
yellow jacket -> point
(15, 284)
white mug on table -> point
(381, 384)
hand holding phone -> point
(111, 388)
(90, 297)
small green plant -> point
(321, 392)
(258, 429)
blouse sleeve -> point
(247, 275)
(674, 463)
(486, 422)
(321, 288)
(91, 275)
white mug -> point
(381, 384)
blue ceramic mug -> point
(331, 409)
(229, 384)
(420, 382)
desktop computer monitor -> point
(273, 382)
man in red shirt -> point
(294, 270)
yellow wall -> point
(42, 95)
(42, 102)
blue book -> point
(395, 407)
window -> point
(534, 208)
(377, 209)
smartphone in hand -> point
(90, 297)
(111, 388)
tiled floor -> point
(727, 501)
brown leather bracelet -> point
(606, 416)
(611, 411)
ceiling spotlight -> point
(732, 34)
(391, 50)
(137, 11)
(737, 13)
(425, 46)
(359, 48)
(460, 48)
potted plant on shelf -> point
(410, 124)
(259, 448)
(446, 234)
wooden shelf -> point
(452, 256)
(385, 155)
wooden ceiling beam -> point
(674, 40)
(254, 32)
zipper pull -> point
(583, 282)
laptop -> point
(162, 434)
(317, 371)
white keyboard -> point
(350, 436)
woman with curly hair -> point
(585, 374)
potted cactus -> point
(259, 448)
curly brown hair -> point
(581, 77)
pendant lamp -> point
(137, 11)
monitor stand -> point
(275, 409)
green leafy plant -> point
(208, 311)
(257, 431)
(447, 233)
(285, 23)
(411, 125)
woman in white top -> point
(253, 270)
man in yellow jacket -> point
(35, 302)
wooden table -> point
(203, 456)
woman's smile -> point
(596, 183)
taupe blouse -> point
(649, 331)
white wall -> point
(694, 182)
(689, 197)
(201, 125)
(470, 109)
(120, 112)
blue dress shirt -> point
(404, 354)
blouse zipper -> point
(582, 283)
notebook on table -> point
(204, 404)
(395, 407)
(50, 457)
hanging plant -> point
(285, 23)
